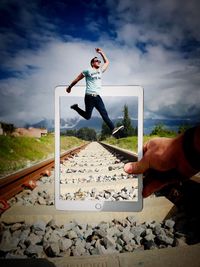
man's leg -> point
(102, 110)
(89, 105)
(99, 105)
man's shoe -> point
(117, 129)
(74, 106)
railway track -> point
(32, 228)
(14, 183)
(96, 173)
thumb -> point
(137, 167)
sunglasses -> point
(97, 60)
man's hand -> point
(158, 155)
(163, 155)
(99, 50)
(68, 89)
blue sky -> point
(152, 43)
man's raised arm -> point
(105, 59)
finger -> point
(146, 146)
(137, 167)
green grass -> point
(129, 143)
(17, 152)
(68, 142)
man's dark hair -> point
(92, 60)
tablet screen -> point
(92, 176)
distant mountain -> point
(171, 124)
(45, 123)
(96, 123)
(69, 123)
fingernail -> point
(128, 167)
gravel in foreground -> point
(40, 240)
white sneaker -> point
(117, 129)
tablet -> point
(93, 179)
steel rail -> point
(14, 183)
(131, 156)
(168, 254)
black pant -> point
(95, 102)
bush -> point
(160, 130)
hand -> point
(68, 89)
(158, 155)
(99, 50)
(161, 154)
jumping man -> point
(93, 89)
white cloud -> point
(162, 73)
(164, 21)
(171, 82)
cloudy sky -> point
(152, 43)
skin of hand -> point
(161, 154)
(99, 50)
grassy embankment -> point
(19, 152)
(130, 143)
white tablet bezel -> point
(95, 205)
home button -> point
(98, 206)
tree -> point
(70, 132)
(87, 134)
(128, 128)
(160, 130)
(8, 128)
(182, 128)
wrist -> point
(183, 157)
(191, 147)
